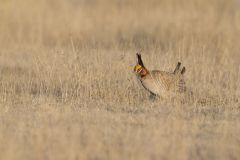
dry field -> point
(68, 91)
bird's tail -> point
(178, 69)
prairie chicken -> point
(161, 83)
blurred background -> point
(123, 24)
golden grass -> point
(67, 89)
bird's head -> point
(140, 70)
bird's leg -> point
(153, 96)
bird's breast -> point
(152, 85)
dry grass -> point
(67, 89)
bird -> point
(161, 83)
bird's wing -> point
(164, 79)
(169, 81)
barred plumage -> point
(161, 83)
